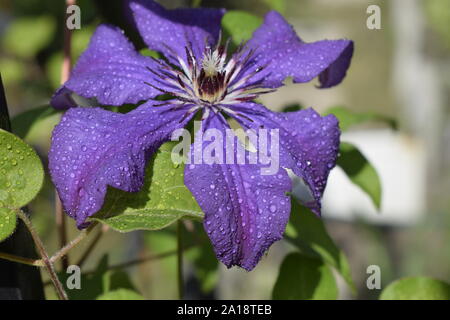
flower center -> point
(211, 88)
(213, 82)
(210, 85)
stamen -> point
(215, 83)
(231, 112)
(179, 96)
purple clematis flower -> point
(245, 212)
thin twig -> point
(64, 250)
(27, 261)
(67, 50)
(61, 227)
(180, 260)
(91, 247)
(44, 255)
(134, 262)
(65, 72)
(55, 257)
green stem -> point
(180, 260)
(22, 260)
(44, 255)
(93, 244)
(57, 256)
(64, 250)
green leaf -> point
(239, 25)
(417, 288)
(308, 233)
(360, 171)
(8, 222)
(351, 160)
(121, 294)
(163, 199)
(21, 172)
(21, 178)
(25, 123)
(25, 37)
(304, 278)
(348, 118)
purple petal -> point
(277, 45)
(110, 70)
(170, 31)
(245, 212)
(309, 143)
(93, 148)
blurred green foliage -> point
(308, 234)
(349, 119)
(239, 25)
(100, 283)
(360, 171)
(25, 37)
(439, 18)
(417, 288)
(302, 277)
(121, 294)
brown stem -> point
(67, 50)
(62, 229)
(132, 263)
(65, 72)
(64, 250)
(180, 250)
(142, 260)
(27, 261)
(44, 255)
(57, 256)
(93, 244)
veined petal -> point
(286, 55)
(309, 143)
(93, 148)
(110, 70)
(245, 212)
(171, 31)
